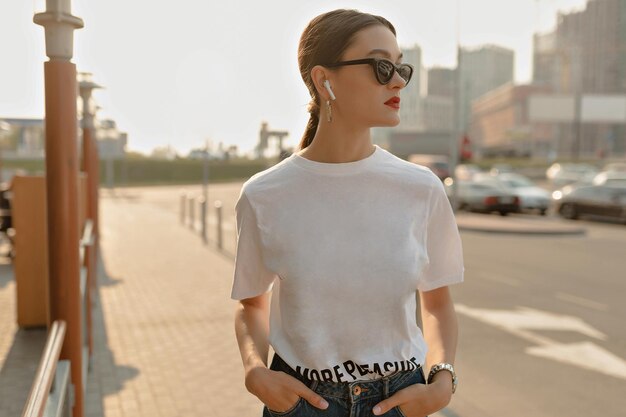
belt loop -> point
(385, 387)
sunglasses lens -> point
(385, 71)
(405, 72)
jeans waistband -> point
(356, 390)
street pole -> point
(62, 185)
(205, 192)
(205, 173)
(457, 122)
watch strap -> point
(443, 367)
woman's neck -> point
(336, 143)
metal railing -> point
(86, 241)
(51, 394)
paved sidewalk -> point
(20, 349)
(166, 346)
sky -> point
(182, 72)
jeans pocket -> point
(398, 411)
(291, 412)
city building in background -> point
(111, 142)
(500, 123)
(586, 55)
(411, 108)
(439, 101)
(24, 139)
(482, 69)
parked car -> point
(500, 169)
(483, 197)
(561, 175)
(597, 200)
(465, 172)
(610, 178)
(438, 164)
(615, 167)
(532, 197)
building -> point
(24, 138)
(438, 112)
(111, 142)
(586, 54)
(501, 126)
(482, 69)
(441, 82)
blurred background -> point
(518, 106)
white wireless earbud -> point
(330, 91)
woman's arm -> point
(440, 327)
(252, 330)
(277, 390)
(440, 332)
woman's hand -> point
(419, 400)
(280, 391)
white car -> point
(562, 174)
(610, 178)
(532, 197)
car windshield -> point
(491, 185)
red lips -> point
(393, 100)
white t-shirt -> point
(345, 246)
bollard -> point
(192, 212)
(183, 207)
(203, 219)
(218, 210)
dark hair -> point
(324, 40)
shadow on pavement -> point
(105, 377)
(19, 365)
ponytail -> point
(311, 127)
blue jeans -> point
(347, 399)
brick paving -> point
(167, 345)
(20, 350)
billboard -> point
(603, 108)
(551, 108)
(594, 108)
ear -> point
(319, 74)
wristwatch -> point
(443, 367)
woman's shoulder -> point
(267, 179)
(409, 171)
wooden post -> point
(62, 204)
(62, 184)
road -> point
(541, 318)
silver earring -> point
(329, 111)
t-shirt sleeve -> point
(251, 277)
(443, 244)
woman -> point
(343, 234)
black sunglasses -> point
(383, 68)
